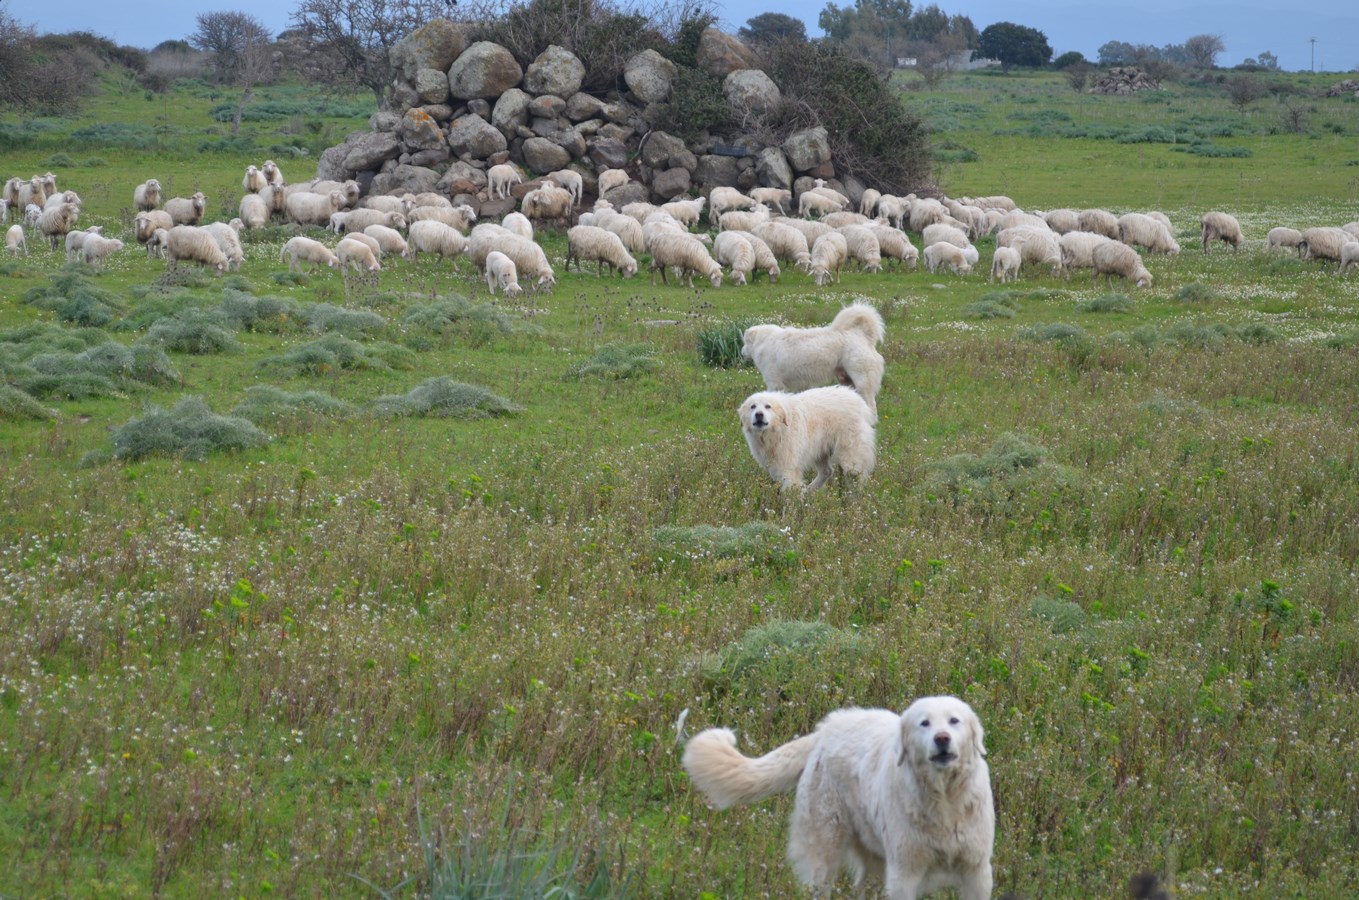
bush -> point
(1107, 303)
(190, 430)
(323, 317)
(335, 352)
(1055, 331)
(773, 655)
(442, 396)
(1194, 292)
(264, 401)
(16, 405)
(760, 542)
(696, 105)
(720, 346)
(478, 322)
(1010, 464)
(617, 361)
(988, 309)
(75, 298)
(196, 331)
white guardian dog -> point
(902, 798)
(844, 352)
(824, 429)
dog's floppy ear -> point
(901, 736)
(977, 733)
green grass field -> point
(386, 647)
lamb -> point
(685, 253)
(254, 213)
(828, 256)
(1219, 226)
(97, 248)
(519, 224)
(1099, 221)
(359, 219)
(186, 210)
(1323, 243)
(1078, 249)
(158, 243)
(56, 221)
(586, 242)
(786, 243)
(314, 253)
(686, 212)
(868, 202)
(661, 223)
(572, 181)
(272, 174)
(844, 217)
(229, 242)
(781, 198)
(500, 272)
(356, 254)
(610, 179)
(254, 180)
(809, 202)
(15, 240)
(1349, 256)
(389, 239)
(499, 178)
(862, 245)
(734, 251)
(1005, 264)
(4, 209)
(195, 245)
(307, 208)
(1063, 221)
(547, 203)
(428, 236)
(146, 195)
(741, 220)
(721, 199)
(460, 217)
(75, 241)
(1139, 230)
(894, 244)
(764, 256)
(528, 257)
(896, 210)
(145, 224)
(1288, 238)
(946, 255)
(939, 233)
(32, 212)
(1116, 258)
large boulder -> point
(484, 70)
(511, 110)
(434, 45)
(431, 85)
(608, 153)
(542, 155)
(714, 171)
(671, 183)
(751, 91)
(462, 177)
(406, 179)
(632, 192)
(807, 149)
(721, 54)
(473, 136)
(547, 106)
(650, 76)
(368, 151)
(772, 168)
(420, 131)
(659, 148)
(556, 71)
(582, 107)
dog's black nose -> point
(942, 739)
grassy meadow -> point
(403, 636)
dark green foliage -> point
(683, 48)
(1215, 151)
(1014, 45)
(952, 151)
(696, 105)
(772, 27)
(190, 429)
(264, 402)
(1194, 292)
(1062, 616)
(1068, 59)
(75, 298)
(774, 654)
(1053, 331)
(720, 345)
(115, 134)
(442, 396)
(617, 361)
(16, 405)
(197, 331)
(988, 309)
(54, 363)
(262, 314)
(1107, 303)
(270, 110)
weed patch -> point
(190, 429)
(442, 396)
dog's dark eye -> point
(925, 724)
(953, 721)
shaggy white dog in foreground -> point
(795, 359)
(905, 798)
(821, 429)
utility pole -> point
(1313, 42)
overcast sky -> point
(1247, 27)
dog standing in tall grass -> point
(844, 352)
(904, 798)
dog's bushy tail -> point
(863, 318)
(727, 778)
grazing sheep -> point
(314, 253)
(862, 245)
(894, 244)
(1099, 221)
(810, 230)
(359, 219)
(56, 200)
(402, 206)
(764, 256)
(460, 217)
(196, 245)
(1349, 256)
(1063, 221)
(894, 209)
(1017, 218)
(254, 180)
(610, 179)
(1140, 230)
(307, 208)
(519, 224)
(1078, 248)
(430, 198)
(1323, 243)
(389, 239)
(809, 202)
(357, 255)
(687, 254)
(499, 178)
(500, 272)
(1351, 228)
(946, 255)
(639, 210)
(924, 211)
(743, 220)
(628, 229)
(186, 210)
(686, 212)
(1115, 258)
(272, 174)
(828, 256)
(721, 199)
(998, 201)
(253, 211)
(868, 202)
(787, 243)
(1034, 246)
(54, 222)
(1219, 226)
(158, 243)
(428, 236)
(734, 251)
(372, 242)
(1162, 218)
(572, 181)
(349, 190)
(97, 248)
(819, 186)
(844, 217)
(1283, 238)
(547, 203)
(939, 233)
(229, 241)
(147, 195)
(15, 240)
(586, 242)
(529, 258)
(1005, 264)
(782, 198)
(75, 241)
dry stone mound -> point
(1125, 80)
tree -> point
(241, 52)
(1201, 50)
(356, 35)
(1014, 45)
(1243, 90)
(35, 74)
(772, 27)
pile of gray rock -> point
(1125, 80)
(1347, 88)
(460, 106)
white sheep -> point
(572, 181)
(1323, 243)
(1005, 264)
(254, 180)
(499, 178)
(314, 253)
(743, 220)
(186, 210)
(402, 205)
(735, 252)
(845, 217)
(1017, 218)
(1349, 256)
(809, 202)
(828, 256)
(610, 179)
(275, 197)
(940, 233)
(997, 201)
(146, 195)
(253, 211)
(146, 222)
(32, 212)
(359, 219)
(1283, 238)
(75, 241)
(96, 248)
(787, 243)
(389, 239)
(358, 255)
(229, 241)
(272, 174)
(56, 221)
(529, 258)
(1034, 246)
(196, 245)
(372, 243)
(4, 209)
(307, 208)
(517, 223)
(639, 210)
(431, 198)
(628, 229)
(894, 244)
(587, 242)
(1220, 226)
(722, 198)
(862, 245)
(1078, 249)
(1099, 221)
(428, 236)
(501, 273)
(687, 254)
(894, 209)
(774, 198)
(1063, 221)
(764, 256)
(686, 212)
(946, 256)
(547, 203)
(1152, 235)
(868, 202)
(1351, 228)
(15, 240)
(158, 243)
(924, 211)
(10, 194)
(1115, 258)
(349, 190)
(810, 230)
(460, 217)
